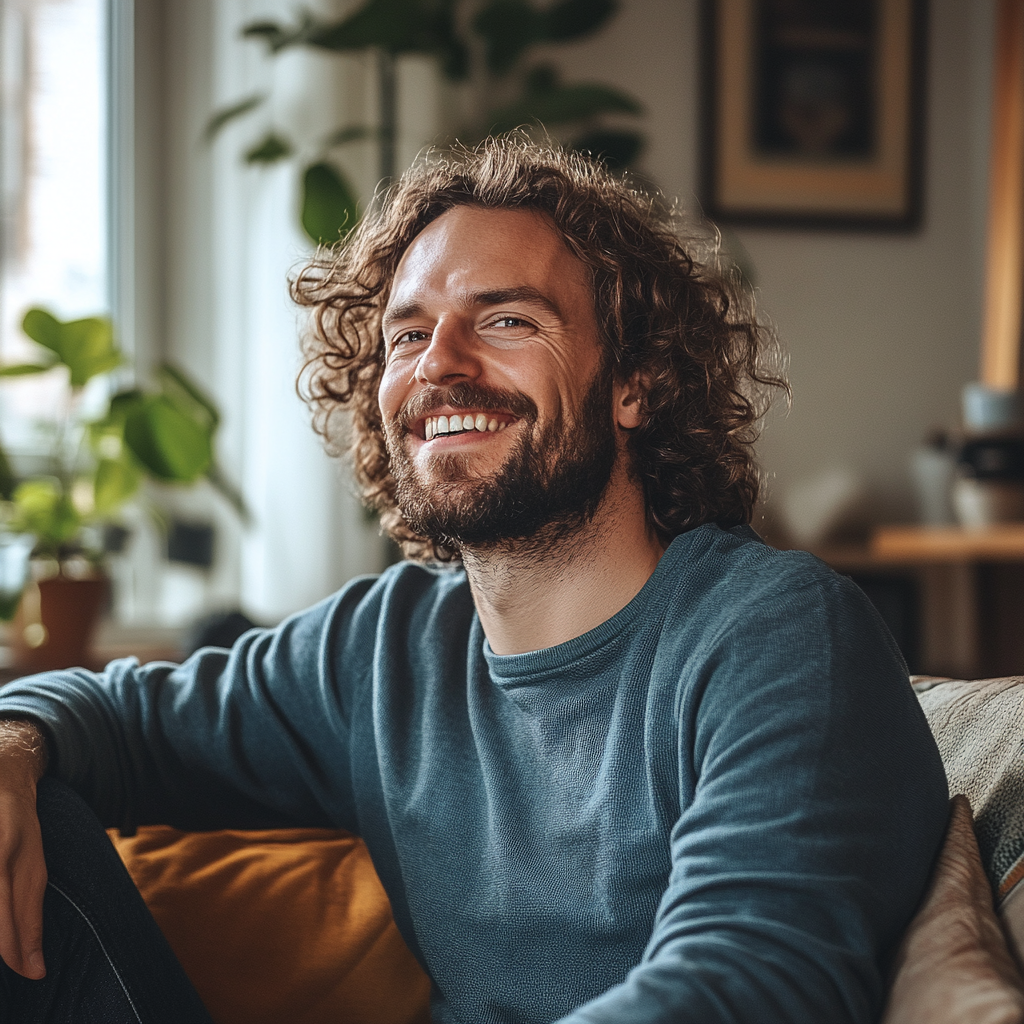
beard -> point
(549, 486)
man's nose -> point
(452, 355)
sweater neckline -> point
(511, 669)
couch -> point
(294, 925)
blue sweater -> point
(719, 805)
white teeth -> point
(436, 426)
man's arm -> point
(255, 737)
(813, 801)
(23, 758)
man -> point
(621, 762)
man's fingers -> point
(22, 885)
(21, 926)
(28, 915)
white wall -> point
(882, 329)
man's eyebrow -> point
(406, 311)
(522, 293)
(494, 297)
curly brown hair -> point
(685, 326)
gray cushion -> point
(979, 727)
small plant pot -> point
(56, 622)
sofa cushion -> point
(979, 728)
(953, 964)
(289, 925)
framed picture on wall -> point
(813, 112)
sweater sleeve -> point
(813, 802)
(255, 737)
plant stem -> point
(387, 90)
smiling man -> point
(615, 759)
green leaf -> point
(352, 133)
(398, 26)
(268, 30)
(6, 475)
(43, 328)
(276, 37)
(24, 369)
(169, 443)
(116, 480)
(269, 150)
(541, 78)
(508, 28)
(228, 114)
(42, 508)
(188, 396)
(616, 149)
(563, 105)
(574, 19)
(123, 403)
(118, 411)
(328, 203)
(86, 347)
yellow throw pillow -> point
(288, 925)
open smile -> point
(470, 421)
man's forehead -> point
(473, 250)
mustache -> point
(466, 395)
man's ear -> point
(629, 397)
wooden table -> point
(971, 588)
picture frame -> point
(813, 113)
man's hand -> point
(22, 868)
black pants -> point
(107, 961)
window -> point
(53, 184)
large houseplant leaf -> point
(328, 203)
(574, 19)
(508, 28)
(167, 441)
(188, 396)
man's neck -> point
(529, 598)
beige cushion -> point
(953, 965)
(979, 727)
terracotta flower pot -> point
(56, 622)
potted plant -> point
(496, 47)
(106, 442)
